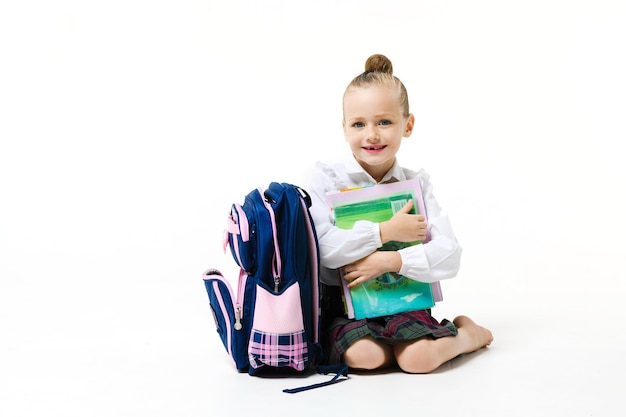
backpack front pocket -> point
(278, 338)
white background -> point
(128, 128)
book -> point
(390, 293)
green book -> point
(389, 293)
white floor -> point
(144, 343)
(128, 128)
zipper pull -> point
(238, 318)
(276, 282)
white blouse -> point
(436, 260)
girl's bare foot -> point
(478, 336)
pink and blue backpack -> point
(271, 324)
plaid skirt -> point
(340, 332)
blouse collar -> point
(356, 171)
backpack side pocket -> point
(227, 318)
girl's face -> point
(374, 126)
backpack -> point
(271, 324)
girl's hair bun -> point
(379, 72)
(378, 63)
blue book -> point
(389, 293)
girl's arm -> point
(433, 261)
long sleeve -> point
(339, 247)
(438, 259)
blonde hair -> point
(379, 71)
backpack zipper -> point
(241, 291)
(237, 317)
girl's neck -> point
(377, 172)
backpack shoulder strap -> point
(340, 370)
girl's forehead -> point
(378, 89)
(379, 96)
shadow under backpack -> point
(270, 326)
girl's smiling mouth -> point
(376, 148)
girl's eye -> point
(384, 122)
(358, 124)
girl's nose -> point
(373, 135)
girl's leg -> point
(368, 353)
(426, 355)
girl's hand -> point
(372, 266)
(404, 227)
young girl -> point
(375, 120)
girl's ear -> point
(410, 122)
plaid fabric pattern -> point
(394, 329)
(278, 350)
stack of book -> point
(389, 293)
